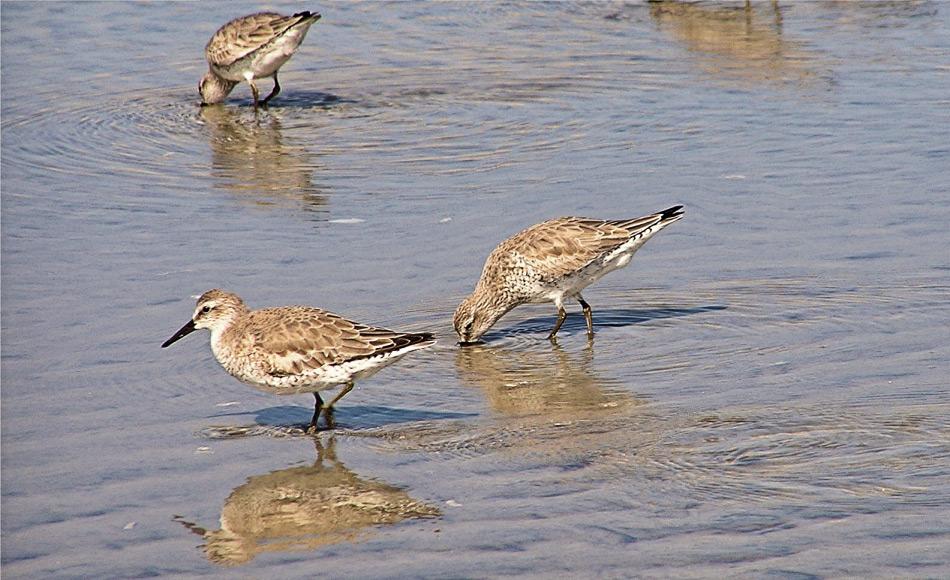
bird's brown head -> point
(215, 310)
(214, 89)
(475, 315)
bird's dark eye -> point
(205, 309)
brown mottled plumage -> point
(295, 349)
(552, 261)
(251, 47)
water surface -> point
(766, 395)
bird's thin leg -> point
(317, 407)
(588, 316)
(273, 93)
(255, 92)
(329, 406)
(561, 315)
(346, 389)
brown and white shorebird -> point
(296, 349)
(553, 261)
(250, 48)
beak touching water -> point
(184, 331)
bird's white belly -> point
(261, 67)
(269, 63)
(272, 59)
(311, 380)
(568, 286)
(574, 284)
(266, 62)
(232, 73)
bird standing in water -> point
(250, 48)
(295, 349)
(551, 261)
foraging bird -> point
(296, 349)
(250, 48)
(552, 261)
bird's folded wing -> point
(566, 245)
(241, 37)
(309, 338)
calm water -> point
(767, 393)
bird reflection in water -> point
(250, 159)
(304, 508)
(737, 41)
(545, 381)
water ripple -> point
(133, 134)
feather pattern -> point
(551, 261)
(562, 246)
(249, 48)
(295, 338)
(293, 349)
(247, 34)
(296, 349)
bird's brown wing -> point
(304, 338)
(562, 246)
(242, 36)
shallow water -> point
(767, 391)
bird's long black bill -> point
(182, 332)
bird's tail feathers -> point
(663, 218)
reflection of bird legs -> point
(776, 11)
(564, 359)
(778, 16)
(325, 453)
(194, 528)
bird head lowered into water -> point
(251, 48)
(553, 261)
(214, 89)
(476, 314)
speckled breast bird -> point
(553, 261)
(250, 48)
(296, 349)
